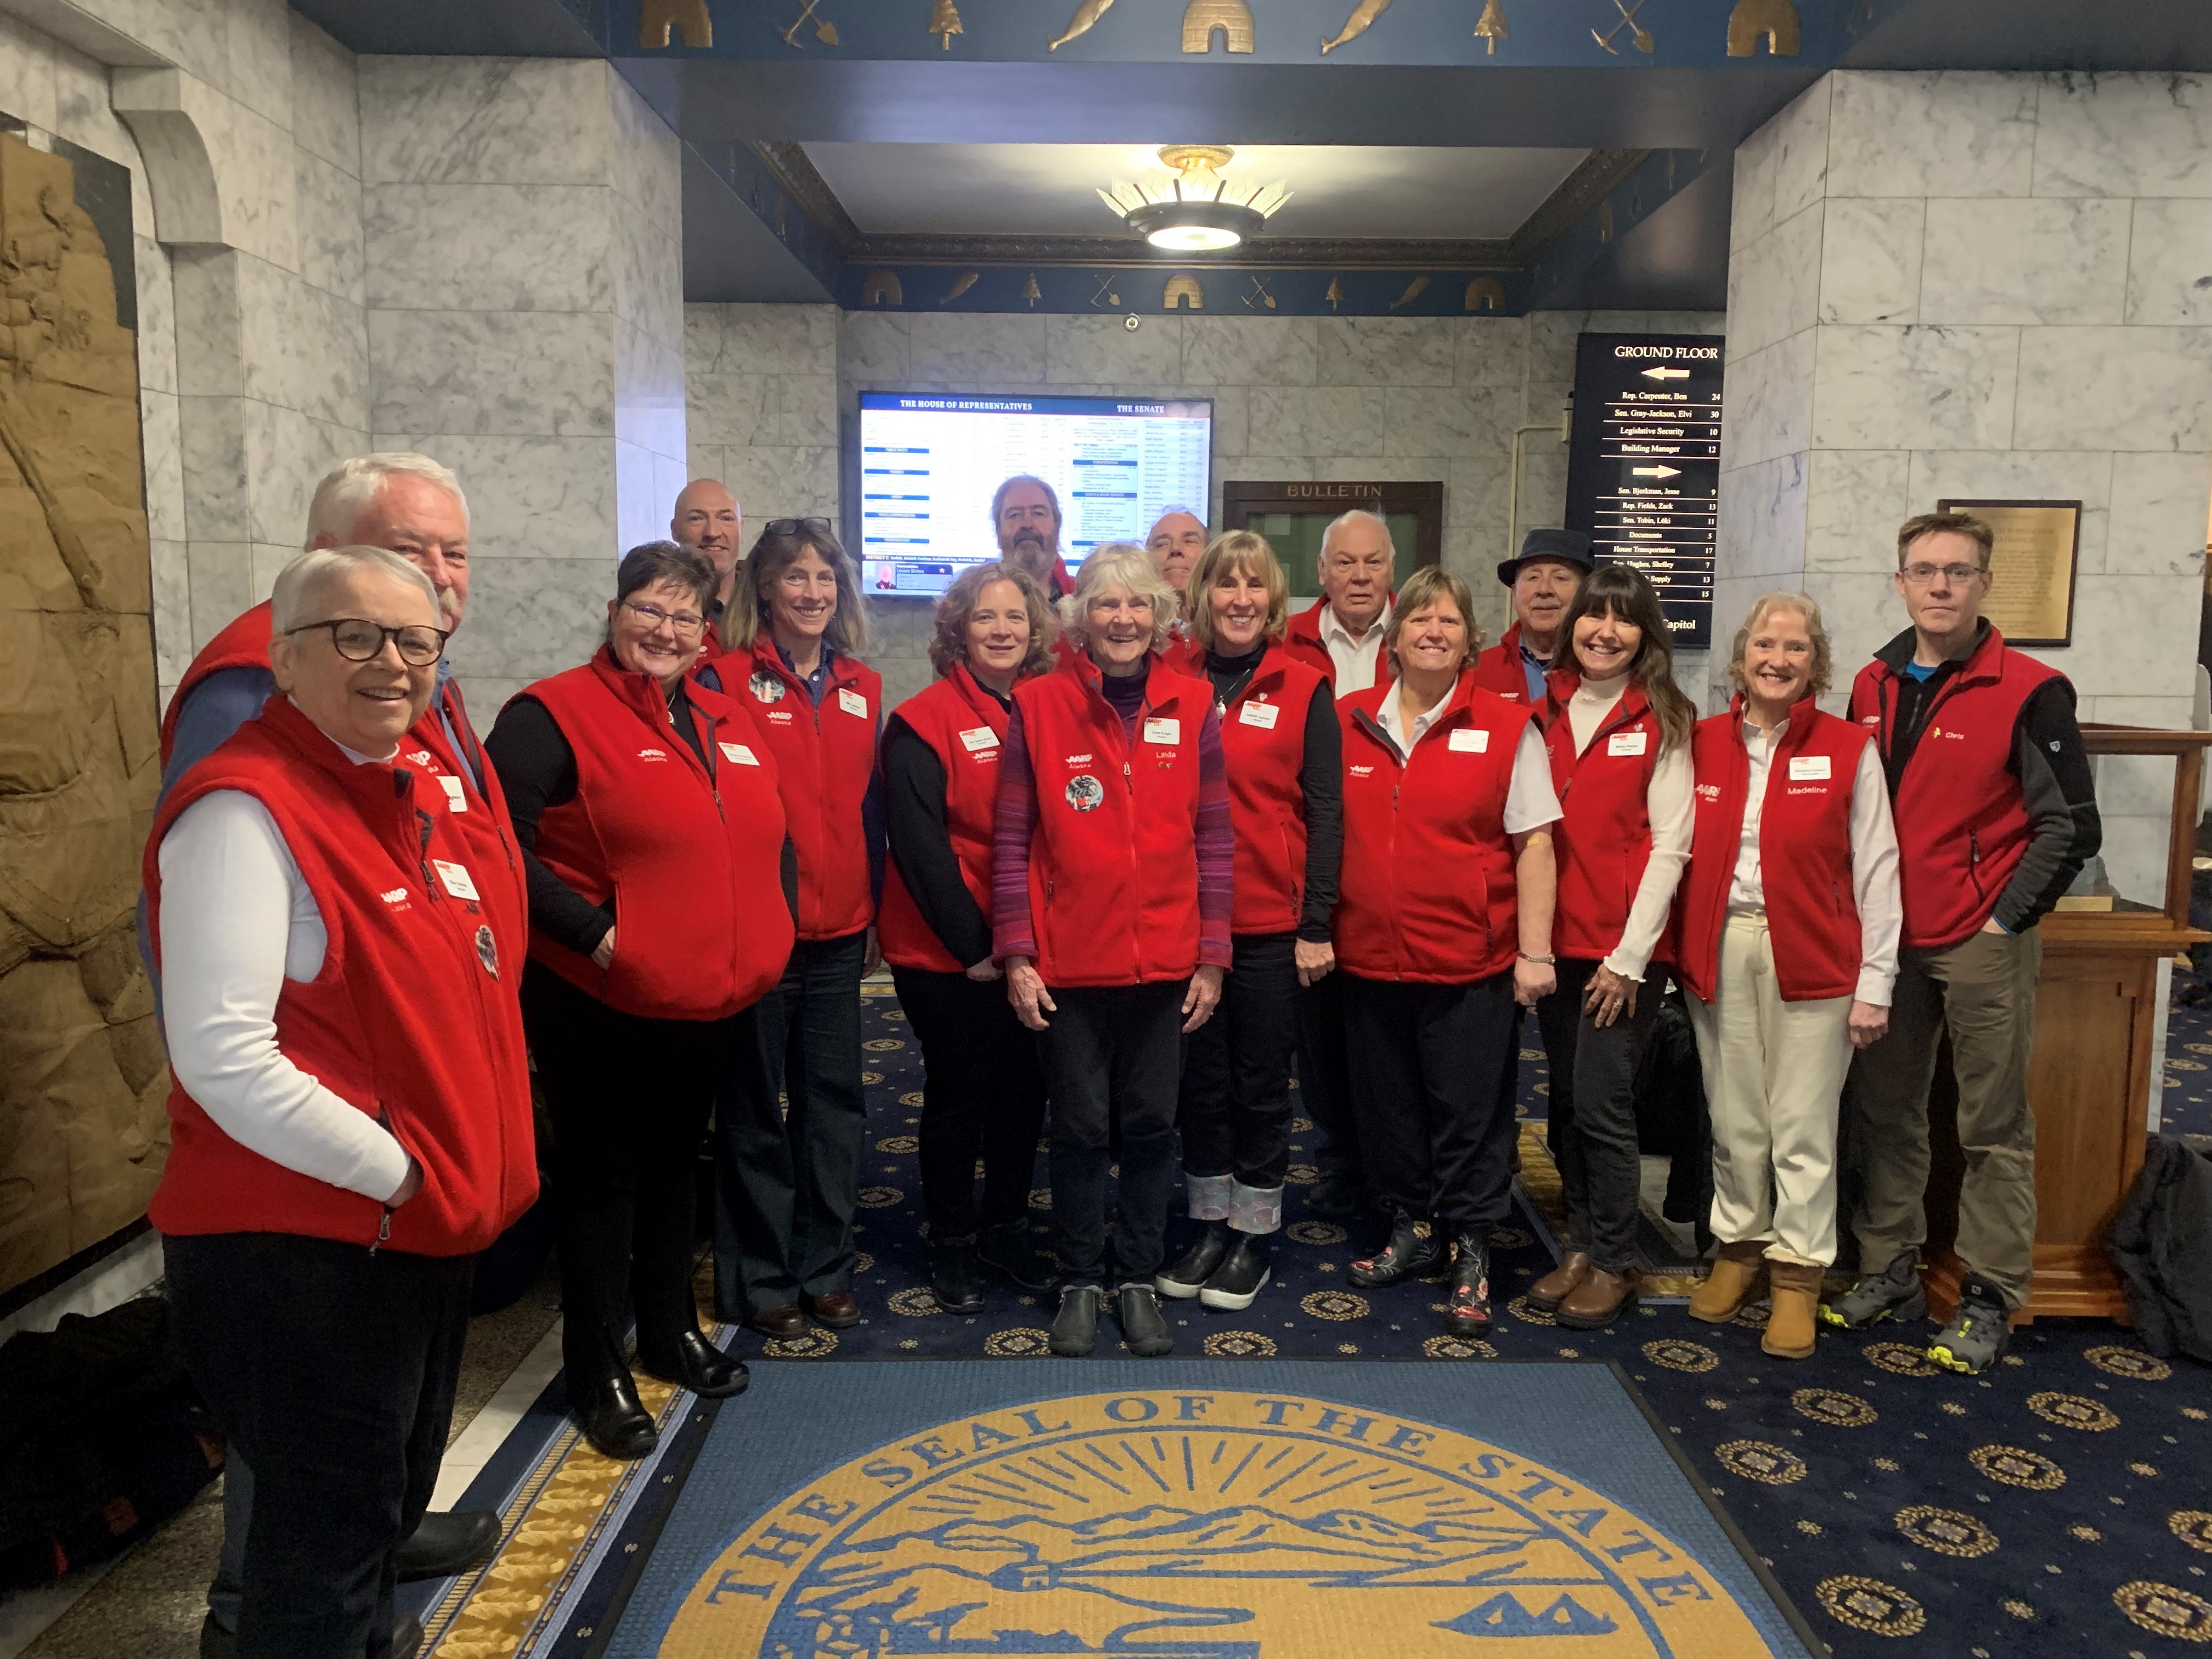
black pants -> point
(1424, 1064)
(1325, 1082)
(982, 1093)
(332, 1371)
(788, 1175)
(1112, 1051)
(629, 1099)
(1235, 1109)
(1592, 1127)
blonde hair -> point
(1765, 604)
(1423, 588)
(781, 545)
(1241, 552)
(948, 639)
(1118, 564)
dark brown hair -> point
(1622, 592)
(781, 545)
(948, 642)
(1931, 524)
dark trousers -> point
(1112, 1052)
(332, 1371)
(629, 1099)
(788, 1175)
(1592, 1127)
(1425, 1066)
(1235, 1109)
(1325, 1082)
(982, 1094)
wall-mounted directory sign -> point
(1643, 471)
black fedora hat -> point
(1565, 546)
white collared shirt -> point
(1358, 661)
(1530, 801)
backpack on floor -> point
(2161, 1243)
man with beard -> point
(1176, 540)
(1025, 517)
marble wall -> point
(1981, 285)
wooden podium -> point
(2097, 1014)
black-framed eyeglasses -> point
(683, 621)
(796, 527)
(358, 640)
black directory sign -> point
(1644, 472)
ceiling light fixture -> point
(1192, 209)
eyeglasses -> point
(1919, 576)
(796, 527)
(358, 640)
(685, 622)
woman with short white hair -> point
(1111, 874)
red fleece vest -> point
(825, 758)
(965, 728)
(1804, 853)
(1263, 744)
(1114, 859)
(1962, 824)
(1302, 642)
(1499, 670)
(1427, 892)
(413, 1018)
(689, 856)
(1603, 841)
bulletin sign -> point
(1644, 465)
(2038, 546)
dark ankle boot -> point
(1407, 1255)
(1006, 1251)
(954, 1279)
(1243, 1275)
(606, 1404)
(689, 1361)
(1188, 1277)
(1469, 1311)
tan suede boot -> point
(1791, 1325)
(1733, 1282)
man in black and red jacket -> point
(1996, 815)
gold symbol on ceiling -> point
(968, 280)
(1485, 294)
(1032, 292)
(1605, 221)
(1775, 19)
(1335, 294)
(1085, 14)
(1105, 290)
(825, 31)
(658, 19)
(1642, 36)
(944, 22)
(1356, 25)
(1183, 290)
(1491, 26)
(1203, 19)
(1414, 290)
(781, 222)
(881, 288)
(1259, 295)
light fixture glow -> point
(1191, 208)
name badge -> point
(1626, 743)
(455, 878)
(736, 754)
(1163, 731)
(1807, 766)
(456, 796)
(853, 703)
(979, 736)
(1262, 714)
(1466, 742)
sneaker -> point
(1243, 1275)
(1006, 1251)
(1468, 1312)
(1979, 1331)
(1188, 1276)
(1144, 1327)
(1075, 1327)
(1407, 1255)
(1893, 1293)
(952, 1276)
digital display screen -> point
(930, 463)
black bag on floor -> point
(2161, 1243)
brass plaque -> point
(2031, 566)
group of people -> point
(1148, 845)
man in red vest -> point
(1996, 815)
(1544, 581)
(1025, 518)
(708, 521)
(1342, 633)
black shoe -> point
(1336, 1195)
(1187, 1277)
(216, 1642)
(696, 1365)
(1407, 1255)
(1006, 1251)
(952, 1277)
(606, 1409)
(1468, 1312)
(1075, 1327)
(1243, 1275)
(448, 1544)
(1144, 1329)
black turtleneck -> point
(921, 844)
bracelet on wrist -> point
(1541, 962)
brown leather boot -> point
(1592, 1305)
(1791, 1325)
(1733, 1281)
(1557, 1286)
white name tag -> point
(1262, 714)
(736, 754)
(455, 878)
(1468, 741)
(456, 796)
(1807, 766)
(853, 703)
(1625, 743)
(1163, 731)
(979, 736)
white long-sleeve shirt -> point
(1670, 805)
(1874, 862)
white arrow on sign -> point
(1655, 471)
(1666, 373)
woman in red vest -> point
(1786, 940)
(1619, 731)
(1112, 862)
(789, 1180)
(982, 1093)
(1284, 753)
(647, 809)
(1444, 922)
(350, 1108)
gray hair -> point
(349, 490)
(292, 602)
(1367, 513)
(1119, 564)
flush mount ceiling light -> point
(1192, 208)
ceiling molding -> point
(1578, 193)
